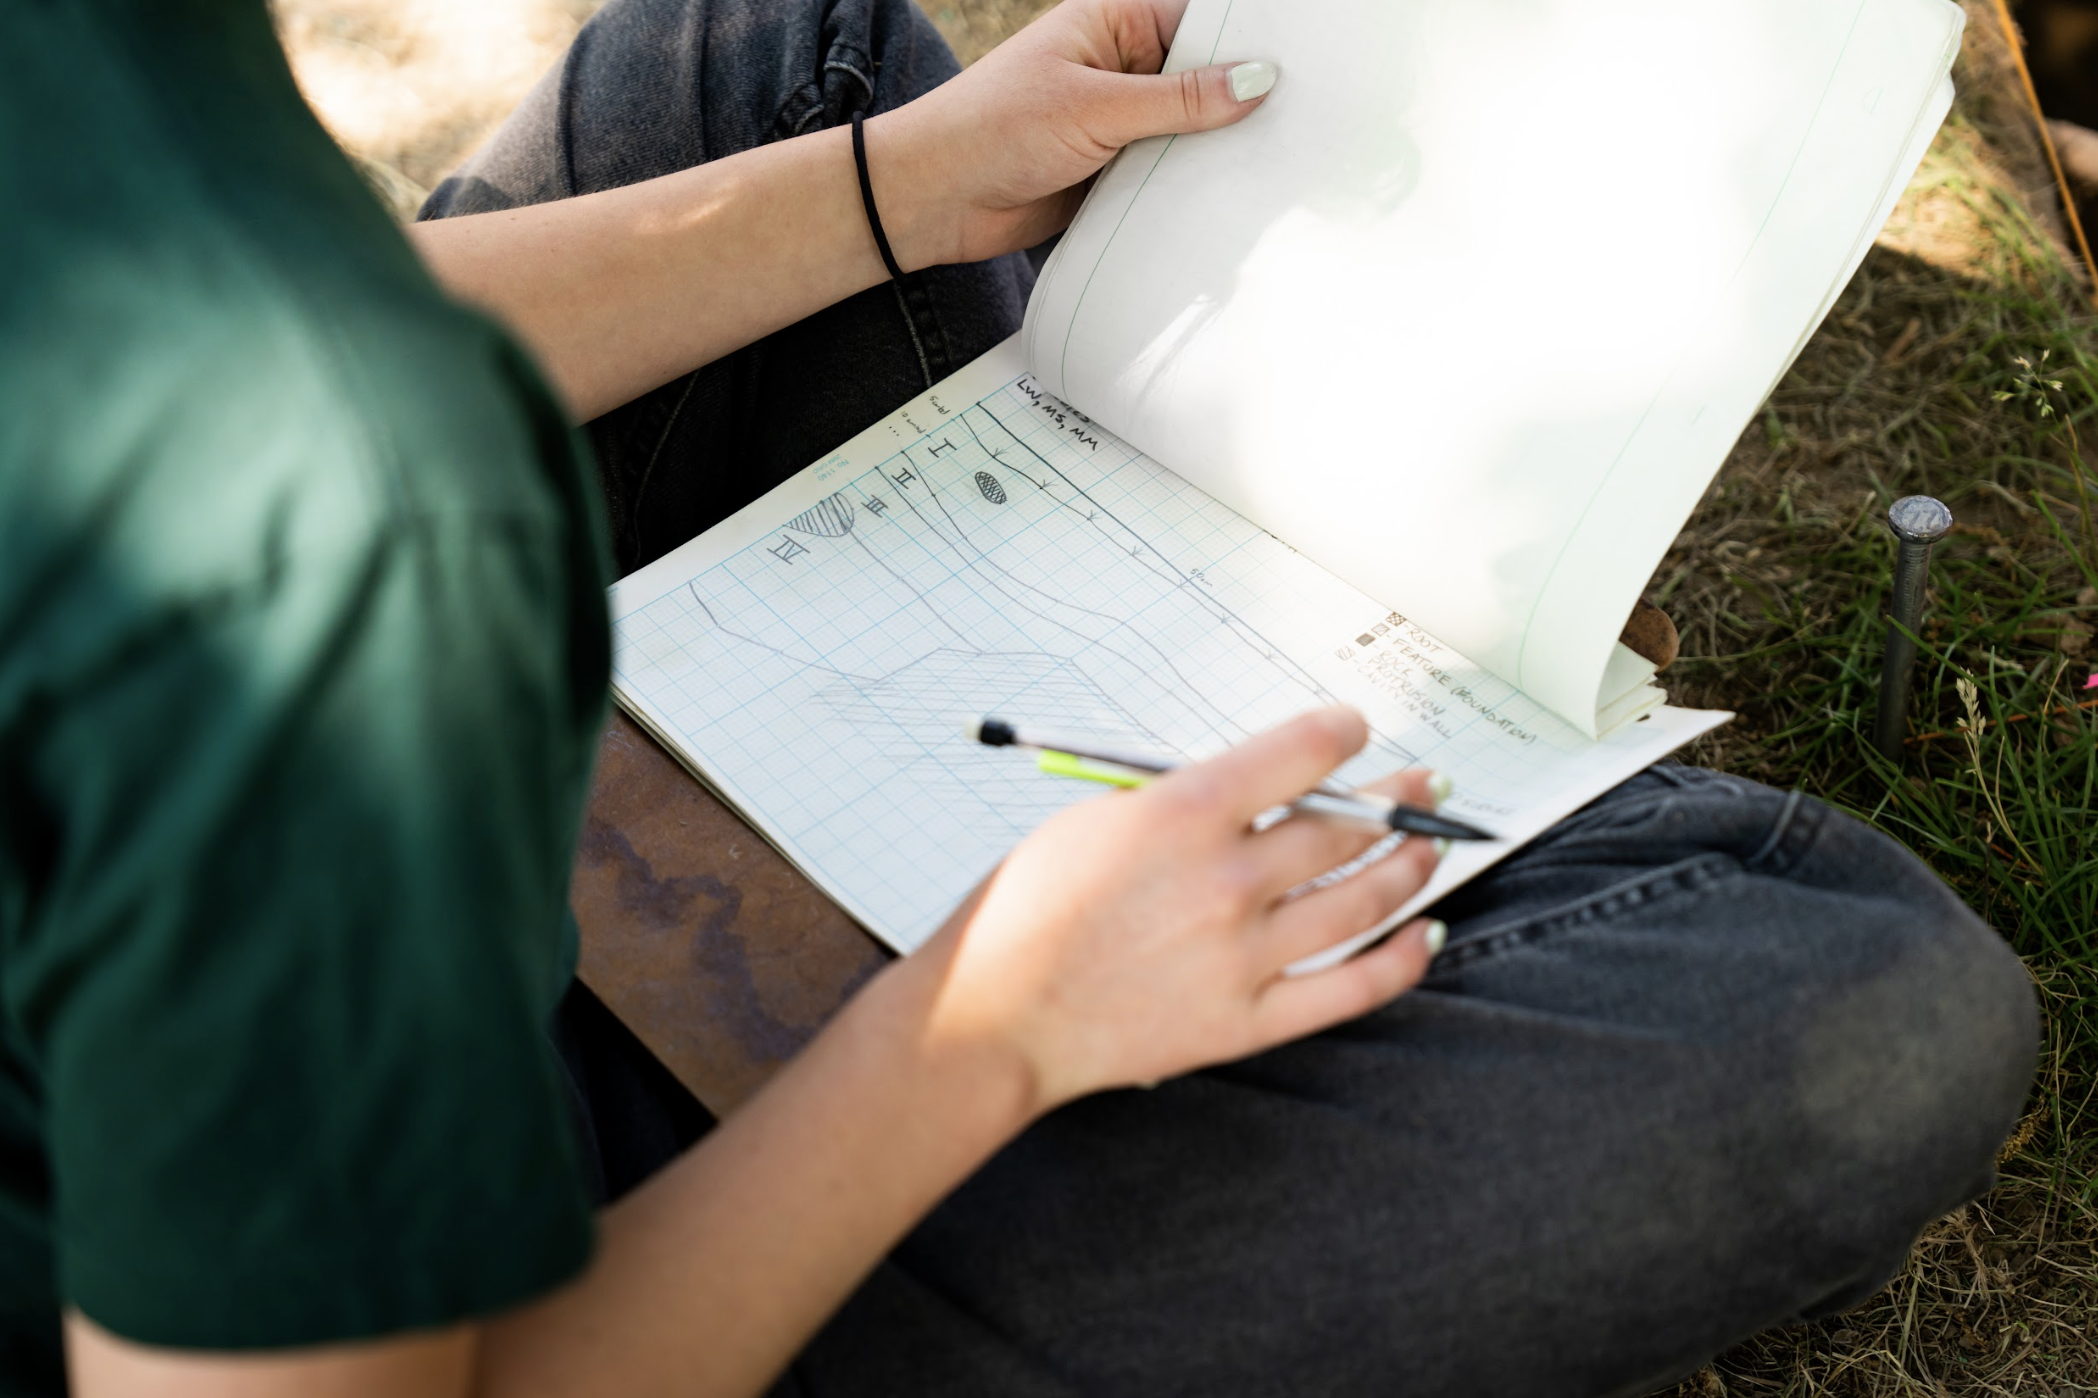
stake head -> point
(1920, 520)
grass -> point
(1976, 382)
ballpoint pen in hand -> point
(1066, 756)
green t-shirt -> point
(302, 659)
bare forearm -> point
(709, 1278)
(618, 292)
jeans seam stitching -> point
(808, 100)
(834, 65)
(1797, 826)
(809, 96)
(1778, 829)
(1691, 876)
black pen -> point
(1127, 767)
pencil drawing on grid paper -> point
(894, 607)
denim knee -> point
(1918, 1032)
(1849, 1040)
(1901, 1032)
(1917, 1062)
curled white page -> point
(1475, 306)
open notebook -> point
(1371, 413)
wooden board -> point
(713, 949)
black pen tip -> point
(995, 733)
(1440, 827)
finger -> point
(1292, 1008)
(1272, 769)
(1298, 850)
(1415, 788)
(1294, 852)
(1329, 916)
(1172, 104)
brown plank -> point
(713, 949)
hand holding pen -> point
(1131, 940)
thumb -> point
(1173, 104)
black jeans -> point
(650, 88)
(1702, 1060)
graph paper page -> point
(988, 551)
(1522, 268)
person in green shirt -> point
(303, 652)
(302, 671)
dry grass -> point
(411, 87)
(975, 27)
(1778, 584)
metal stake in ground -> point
(1918, 522)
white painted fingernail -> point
(1442, 847)
(1438, 933)
(1251, 80)
(1440, 787)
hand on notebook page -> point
(1012, 143)
(1145, 934)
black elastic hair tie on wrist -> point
(859, 155)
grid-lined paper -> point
(816, 659)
